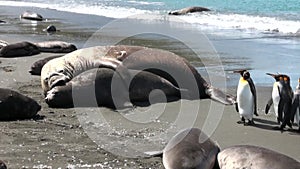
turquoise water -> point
(281, 16)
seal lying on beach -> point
(60, 70)
(15, 106)
(99, 82)
(36, 67)
(19, 49)
(190, 148)
(2, 165)
(166, 64)
(56, 47)
(189, 10)
(247, 156)
(174, 68)
(31, 16)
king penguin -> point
(246, 98)
(295, 114)
(282, 96)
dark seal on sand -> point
(37, 66)
(56, 47)
(15, 106)
(141, 86)
(19, 49)
(189, 10)
(2, 165)
(31, 16)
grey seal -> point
(31, 16)
(190, 148)
(248, 156)
(142, 84)
(61, 70)
(15, 106)
(36, 67)
(189, 10)
(56, 47)
(19, 49)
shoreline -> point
(59, 139)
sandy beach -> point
(66, 138)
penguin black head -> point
(280, 77)
(244, 73)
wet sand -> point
(102, 138)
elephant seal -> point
(248, 156)
(60, 70)
(172, 67)
(2, 165)
(15, 106)
(56, 47)
(190, 148)
(189, 10)
(19, 49)
(3, 43)
(142, 84)
(36, 67)
(31, 16)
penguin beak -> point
(270, 74)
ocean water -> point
(260, 35)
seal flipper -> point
(219, 96)
(154, 153)
(269, 104)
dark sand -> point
(65, 138)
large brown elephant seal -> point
(166, 64)
(190, 149)
(31, 16)
(247, 156)
(2, 165)
(99, 81)
(56, 47)
(60, 70)
(189, 10)
(172, 67)
(36, 67)
(19, 49)
(15, 106)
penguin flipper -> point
(280, 110)
(221, 97)
(269, 104)
(236, 107)
(154, 153)
(253, 91)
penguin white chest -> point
(276, 97)
(245, 99)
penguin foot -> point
(256, 114)
(240, 122)
(250, 123)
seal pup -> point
(190, 148)
(36, 67)
(248, 156)
(31, 16)
(56, 47)
(2, 165)
(142, 84)
(295, 112)
(15, 106)
(50, 29)
(19, 49)
(175, 69)
(246, 104)
(282, 95)
(189, 10)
